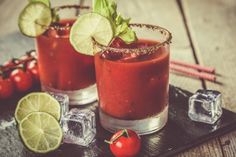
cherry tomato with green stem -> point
(125, 143)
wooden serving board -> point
(179, 134)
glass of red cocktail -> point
(62, 69)
(133, 81)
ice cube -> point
(63, 101)
(79, 127)
(205, 106)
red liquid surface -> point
(60, 66)
(132, 87)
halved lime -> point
(35, 19)
(34, 102)
(40, 132)
(47, 2)
(87, 27)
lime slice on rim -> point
(34, 102)
(47, 2)
(35, 19)
(40, 132)
(87, 27)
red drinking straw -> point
(193, 66)
(201, 75)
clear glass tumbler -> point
(133, 81)
(62, 69)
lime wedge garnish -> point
(87, 27)
(47, 2)
(35, 102)
(40, 132)
(35, 19)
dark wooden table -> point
(204, 33)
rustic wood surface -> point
(213, 32)
(204, 32)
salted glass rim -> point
(143, 50)
(58, 8)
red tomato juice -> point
(60, 66)
(132, 88)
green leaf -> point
(120, 29)
(108, 8)
(128, 36)
(105, 8)
(55, 15)
(119, 20)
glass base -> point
(77, 97)
(142, 126)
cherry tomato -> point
(32, 67)
(6, 88)
(125, 143)
(22, 79)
